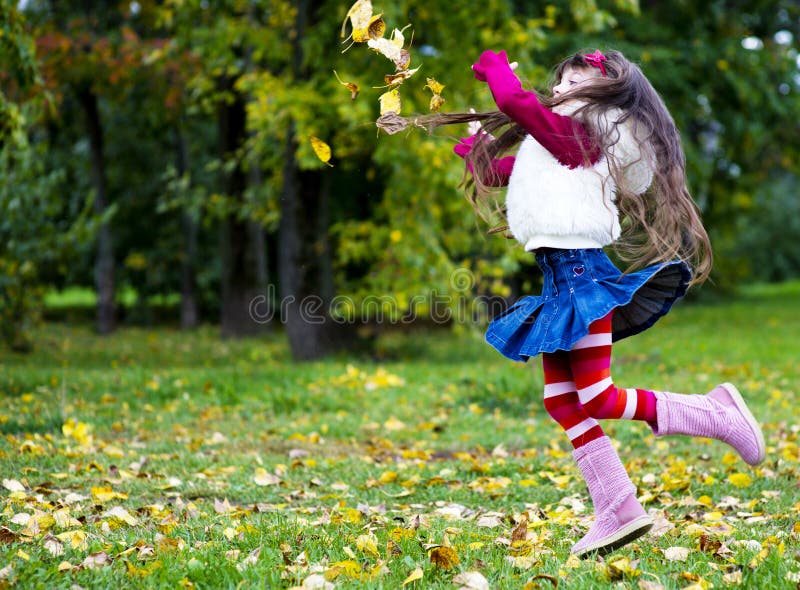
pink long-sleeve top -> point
(567, 139)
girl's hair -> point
(660, 225)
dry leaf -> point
(434, 86)
(351, 86)
(374, 30)
(321, 149)
(444, 557)
(359, 14)
(96, 560)
(390, 101)
(262, 477)
(413, 576)
(471, 581)
(436, 102)
(399, 77)
(368, 544)
(676, 553)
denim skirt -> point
(581, 286)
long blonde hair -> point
(662, 224)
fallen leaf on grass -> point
(676, 553)
(471, 581)
(444, 557)
(263, 478)
(96, 560)
(413, 576)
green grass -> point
(440, 438)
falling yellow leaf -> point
(359, 14)
(399, 77)
(351, 86)
(390, 101)
(434, 86)
(374, 30)
(413, 576)
(740, 480)
(391, 51)
(436, 102)
(321, 149)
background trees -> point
(186, 124)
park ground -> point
(156, 458)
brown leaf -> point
(8, 536)
(391, 122)
(520, 532)
(351, 86)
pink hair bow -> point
(596, 59)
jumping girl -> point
(599, 162)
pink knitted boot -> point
(720, 414)
(619, 518)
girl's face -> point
(572, 78)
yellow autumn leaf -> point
(444, 557)
(413, 576)
(118, 516)
(64, 566)
(76, 539)
(263, 478)
(434, 86)
(368, 544)
(349, 568)
(374, 30)
(321, 149)
(351, 86)
(104, 494)
(359, 14)
(740, 480)
(436, 102)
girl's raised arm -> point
(567, 139)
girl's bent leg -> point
(562, 403)
(721, 414)
(590, 363)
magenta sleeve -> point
(501, 167)
(562, 136)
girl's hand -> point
(490, 59)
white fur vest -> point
(550, 205)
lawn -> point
(155, 458)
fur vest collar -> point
(550, 205)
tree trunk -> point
(104, 261)
(238, 248)
(189, 313)
(304, 261)
(304, 257)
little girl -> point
(601, 148)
